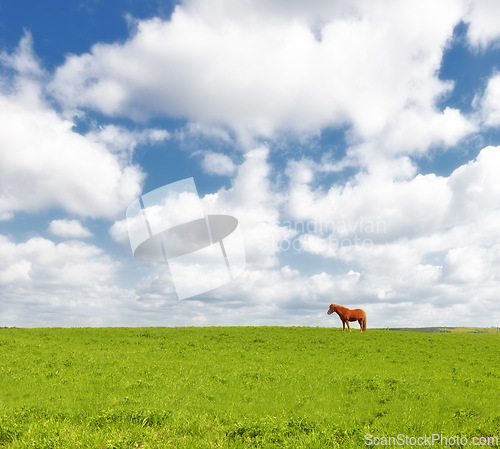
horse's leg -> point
(360, 321)
(349, 327)
(343, 325)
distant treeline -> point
(469, 330)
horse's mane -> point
(340, 307)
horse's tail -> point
(364, 324)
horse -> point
(347, 315)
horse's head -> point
(333, 308)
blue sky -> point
(358, 148)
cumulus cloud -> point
(68, 229)
(365, 65)
(424, 239)
(489, 103)
(119, 233)
(483, 28)
(44, 283)
(422, 246)
(76, 284)
(384, 209)
(194, 131)
(379, 244)
(122, 141)
(68, 264)
(24, 59)
(217, 164)
(44, 163)
(254, 201)
(415, 131)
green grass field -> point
(244, 387)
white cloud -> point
(23, 60)
(405, 259)
(400, 207)
(489, 103)
(428, 245)
(419, 240)
(119, 233)
(465, 265)
(76, 284)
(483, 25)
(426, 268)
(46, 284)
(217, 164)
(122, 142)
(194, 131)
(415, 131)
(253, 200)
(51, 165)
(301, 172)
(368, 65)
(67, 264)
(68, 229)
(475, 187)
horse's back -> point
(359, 313)
(350, 314)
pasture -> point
(241, 387)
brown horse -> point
(347, 315)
